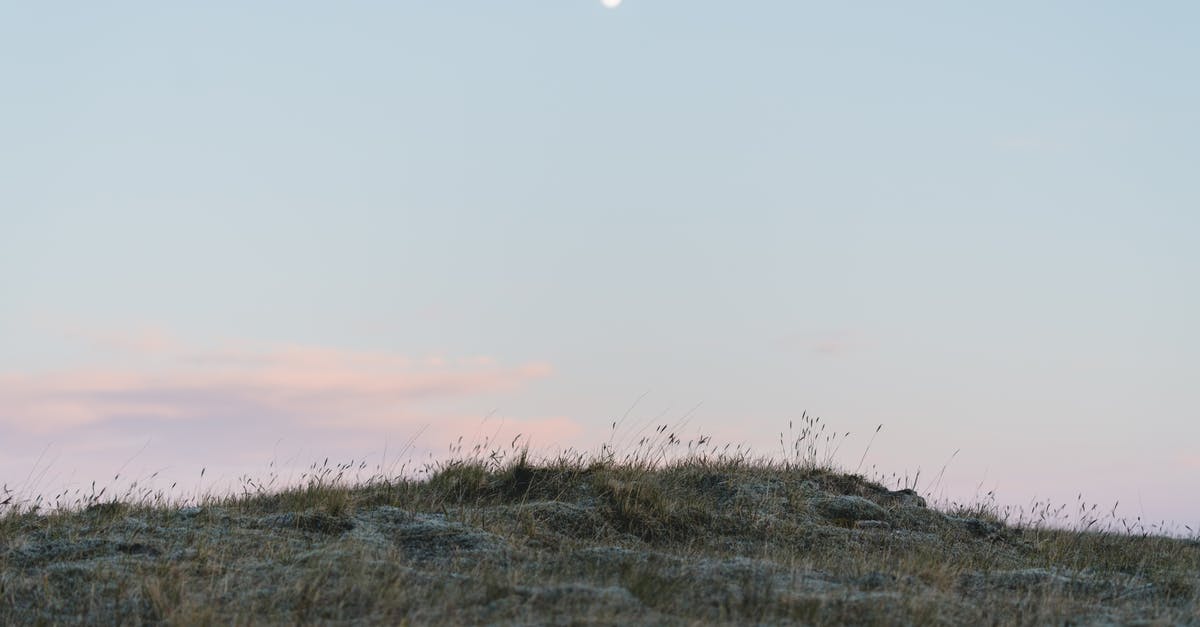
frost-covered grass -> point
(672, 533)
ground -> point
(697, 541)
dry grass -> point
(672, 533)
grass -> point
(671, 532)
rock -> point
(134, 525)
(432, 537)
(977, 527)
(190, 512)
(1067, 581)
(563, 605)
(567, 519)
(904, 498)
(184, 554)
(319, 522)
(848, 508)
(578, 597)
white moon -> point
(611, 4)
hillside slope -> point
(698, 541)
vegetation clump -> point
(705, 537)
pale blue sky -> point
(976, 225)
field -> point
(705, 537)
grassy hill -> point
(588, 539)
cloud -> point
(233, 407)
(832, 343)
(312, 385)
(1189, 461)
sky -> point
(235, 233)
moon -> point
(610, 4)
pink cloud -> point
(829, 343)
(167, 406)
(1191, 461)
(311, 384)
